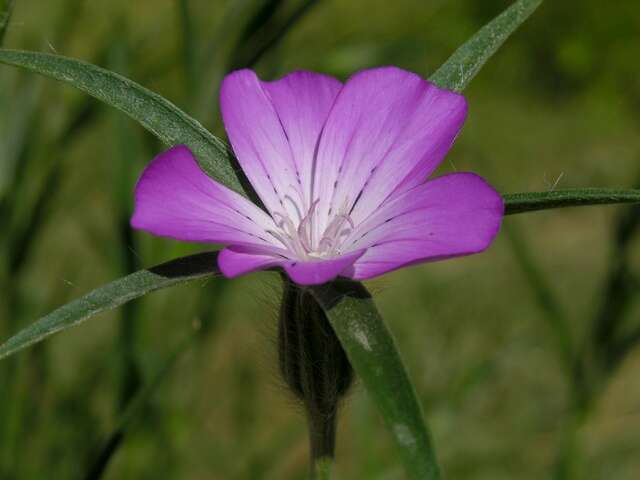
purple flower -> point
(341, 170)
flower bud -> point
(313, 364)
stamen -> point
(305, 228)
(280, 238)
(300, 239)
(283, 219)
(295, 206)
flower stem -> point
(315, 367)
(322, 434)
(322, 443)
(322, 468)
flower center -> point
(299, 237)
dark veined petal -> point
(449, 216)
(302, 101)
(175, 198)
(273, 128)
(388, 130)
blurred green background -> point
(522, 357)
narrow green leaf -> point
(156, 114)
(113, 295)
(533, 201)
(6, 9)
(269, 34)
(466, 61)
(373, 354)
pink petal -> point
(450, 216)
(175, 198)
(317, 272)
(235, 261)
(259, 118)
(302, 101)
(388, 129)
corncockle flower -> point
(341, 171)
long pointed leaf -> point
(156, 114)
(113, 295)
(466, 61)
(373, 354)
(534, 201)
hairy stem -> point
(314, 366)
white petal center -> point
(297, 234)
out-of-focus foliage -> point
(558, 105)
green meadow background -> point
(183, 384)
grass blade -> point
(619, 290)
(113, 295)
(156, 114)
(534, 201)
(6, 9)
(466, 61)
(545, 297)
(134, 410)
(269, 34)
(373, 354)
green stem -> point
(314, 366)
(322, 469)
(373, 354)
(322, 437)
(568, 460)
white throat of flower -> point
(299, 237)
